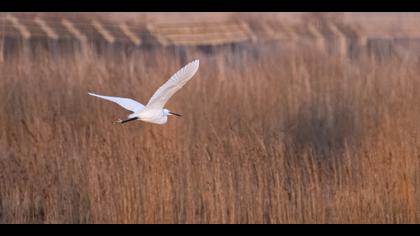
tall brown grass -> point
(269, 134)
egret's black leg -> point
(127, 120)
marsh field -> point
(270, 133)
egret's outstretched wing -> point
(175, 83)
(127, 103)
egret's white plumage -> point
(154, 112)
(127, 103)
(175, 83)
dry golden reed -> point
(269, 134)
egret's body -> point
(154, 116)
(154, 111)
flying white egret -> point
(154, 112)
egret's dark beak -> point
(175, 114)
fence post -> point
(341, 38)
(318, 37)
(77, 34)
(132, 36)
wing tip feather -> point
(196, 62)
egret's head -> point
(170, 113)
